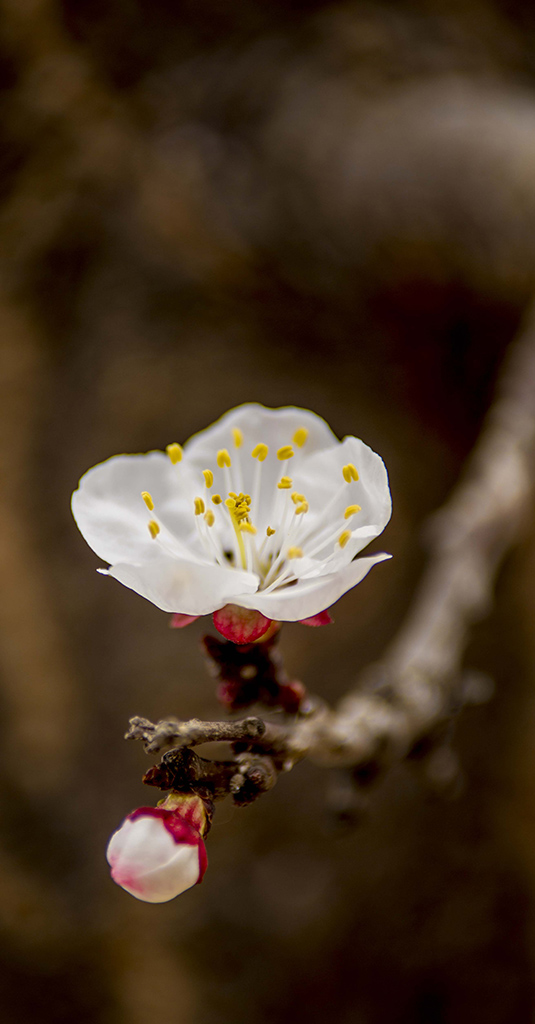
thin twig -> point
(171, 731)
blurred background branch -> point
(420, 679)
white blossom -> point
(264, 510)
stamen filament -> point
(237, 471)
(269, 534)
(207, 539)
(280, 581)
(239, 538)
(321, 523)
(334, 535)
(228, 478)
(169, 541)
(256, 482)
(288, 535)
(280, 514)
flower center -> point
(239, 506)
(286, 540)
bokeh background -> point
(295, 202)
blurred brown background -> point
(290, 201)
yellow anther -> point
(174, 452)
(297, 498)
(232, 494)
(230, 503)
(270, 532)
(303, 507)
(285, 483)
(295, 553)
(350, 472)
(240, 509)
(154, 529)
(217, 499)
(344, 537)
(147, 498)
(199, 506)
(351, 510)
(286, 452)
(247, 528)
(209, 517)
(300, 436)
(260, 452)
(247, 498)
(208, 477)
(237, 436)
(223, 458)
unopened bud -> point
(159, 852)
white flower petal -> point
(322, 479)
(186, 587)
(165, 882)
(307, 597)
(112, 515)
(257, 423)
(143, 841)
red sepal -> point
(321, 619)
(240, 625)
(181, 830)
(178, 620)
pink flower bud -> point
(158, 852)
